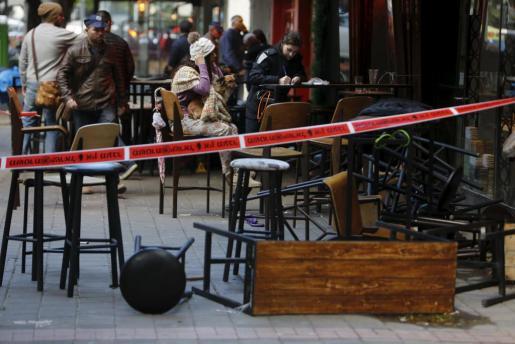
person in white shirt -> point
(51, 42)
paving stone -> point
(99, 314)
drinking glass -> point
(358, 80)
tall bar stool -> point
(112, 245)
(37, 238)
(274, 214)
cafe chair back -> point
(171, 110)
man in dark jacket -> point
(280, 64)
(123, 58)
(231, 46)
(180, 46)
(90, 79)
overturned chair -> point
(153, 280)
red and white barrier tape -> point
(235, 142)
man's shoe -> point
(121, 188)
(87, 190)
(128, 172)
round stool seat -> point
(152, 281)
(260, 164)
(100, 168)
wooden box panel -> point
(509, 251)
(353, 277)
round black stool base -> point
(152, 281)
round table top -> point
(151, 81)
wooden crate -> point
(509, 251)
(353, 277)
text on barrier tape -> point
(65, 158)
(157, 150)
(235, 142)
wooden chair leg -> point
(161, 197)
(67, 242)
(25, 221)
(114, 227)
(233, 218)
(243, 210)
(224, 190)
(207, 158)
(38, 227)
(75, 235)
(175, 176)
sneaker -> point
(254, 183)
(121, 188)
(128, 172)
(87, 190)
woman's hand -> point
(200, 60)
(71, 104)
(285, 80)
(295, 80)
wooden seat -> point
(338, 186)
(327, 142)
(173, 113)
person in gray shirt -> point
(51, 43)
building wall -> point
(260, 15)
(241, 7)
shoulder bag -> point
(48, 93)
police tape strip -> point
(236, 142)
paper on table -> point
(316, 81)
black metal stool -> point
(37, 238)
(274, 212)
(111, 245)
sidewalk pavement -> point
(99, 314)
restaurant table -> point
(368, 92)
(342, 87)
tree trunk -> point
(32, 13)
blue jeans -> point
(87, 117)
(106, 115)
(48, 114)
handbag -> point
(48, 93)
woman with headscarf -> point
(192, 83)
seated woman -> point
(192, 83)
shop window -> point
(343, 34)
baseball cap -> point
(95, 21)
